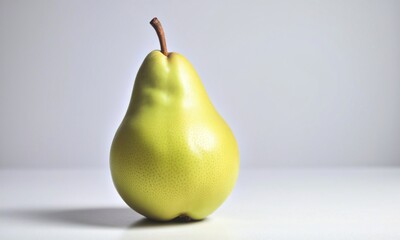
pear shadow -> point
(148, 223)
(103, 217)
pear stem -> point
(161, 35)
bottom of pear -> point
(183, 218)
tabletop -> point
(352, 203)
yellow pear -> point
(173, 155)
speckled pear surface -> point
(173, 155)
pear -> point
(173, 155)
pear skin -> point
(173, 154)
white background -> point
(301, 83)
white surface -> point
(266, 204)
(301, 82)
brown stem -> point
(161, 35)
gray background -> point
(301, 83)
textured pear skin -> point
(173, 155)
